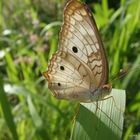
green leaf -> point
(7, 111)
(102, 120)
(37, 120)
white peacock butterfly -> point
(78, 71)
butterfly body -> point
(78, 71)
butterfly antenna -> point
(123, 72)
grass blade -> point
(7, 111)
(37, 120)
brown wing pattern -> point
(79, 31)
(67, 77)
(79, 66)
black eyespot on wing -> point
(74, 49)
(62, 68)
(59, 84)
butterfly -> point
(78, 71)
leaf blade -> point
(7, 111)
(92, 126)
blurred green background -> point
(29, 36)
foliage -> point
(29, 36)
(105, 118)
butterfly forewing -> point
(79, 36)
(79, 67)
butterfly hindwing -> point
(63, 78)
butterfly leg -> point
(96, 107)
(76, 113)
(108, 88)
(95, 118)
(111, 97)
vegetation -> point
(29, 35)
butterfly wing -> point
(67, 77)
(79, 36)
(80, 66)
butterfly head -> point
(100, 92)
